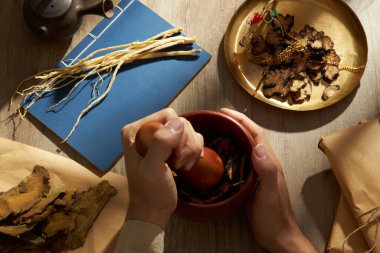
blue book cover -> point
(141, 88)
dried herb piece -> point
(41, 215)
(276, 82)
(330, 91)
(22, 197)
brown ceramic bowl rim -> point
(247, 135)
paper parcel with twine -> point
(18, 160)
(344, 224)
(354, 155)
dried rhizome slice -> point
(330, 91)
(294, 61)
(25, 195)
(24, 206)
(57, 187)
(69, 226)
(43, 215)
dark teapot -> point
(60, 19)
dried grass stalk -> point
(54, 79)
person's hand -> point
(270, 213)
(153, 193)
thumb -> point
(264, 165)
(163, 142)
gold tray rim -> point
(240, 78)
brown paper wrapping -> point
(354, 155)
(18, 160)
(344, 224)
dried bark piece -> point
(258, 45)
(330, 73)
(41, 216)
(330, 91)
(15, 230)
(85, 209)
(66, 199)
(58, 222)
(11, 245)
(286, 22)
(57, 187)
(22, 197)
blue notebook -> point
(140, 89)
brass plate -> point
(335, 18)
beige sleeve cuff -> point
(140, 236)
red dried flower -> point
(257, 18)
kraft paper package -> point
(344, 224)
(17, 162)
(354, 155)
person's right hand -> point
(152, 190)
(270, 213)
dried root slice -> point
(258, 45)
(58, 222)
(304, 93)
(273, 38)
(26, 194)
(327, 43)
(330, 91)
(301, 89)
(316, 77)
(331, 57)
(316, 44)
(276, 82)
(57, 187)
(330, 73)
(85, 209)
(66, 199)
(15, 230)
(9, 244)
(297, 85)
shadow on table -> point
(22, 54)
(231, 235)
(274, 118)
(320, 193)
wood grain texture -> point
(294, 135)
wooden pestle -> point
(206, 172)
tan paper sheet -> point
(17, 161)
(354, 155)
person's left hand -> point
(153, 193)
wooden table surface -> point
(294, 135)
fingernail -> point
(175, 125)
(260, 151)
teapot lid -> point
(50, 8)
